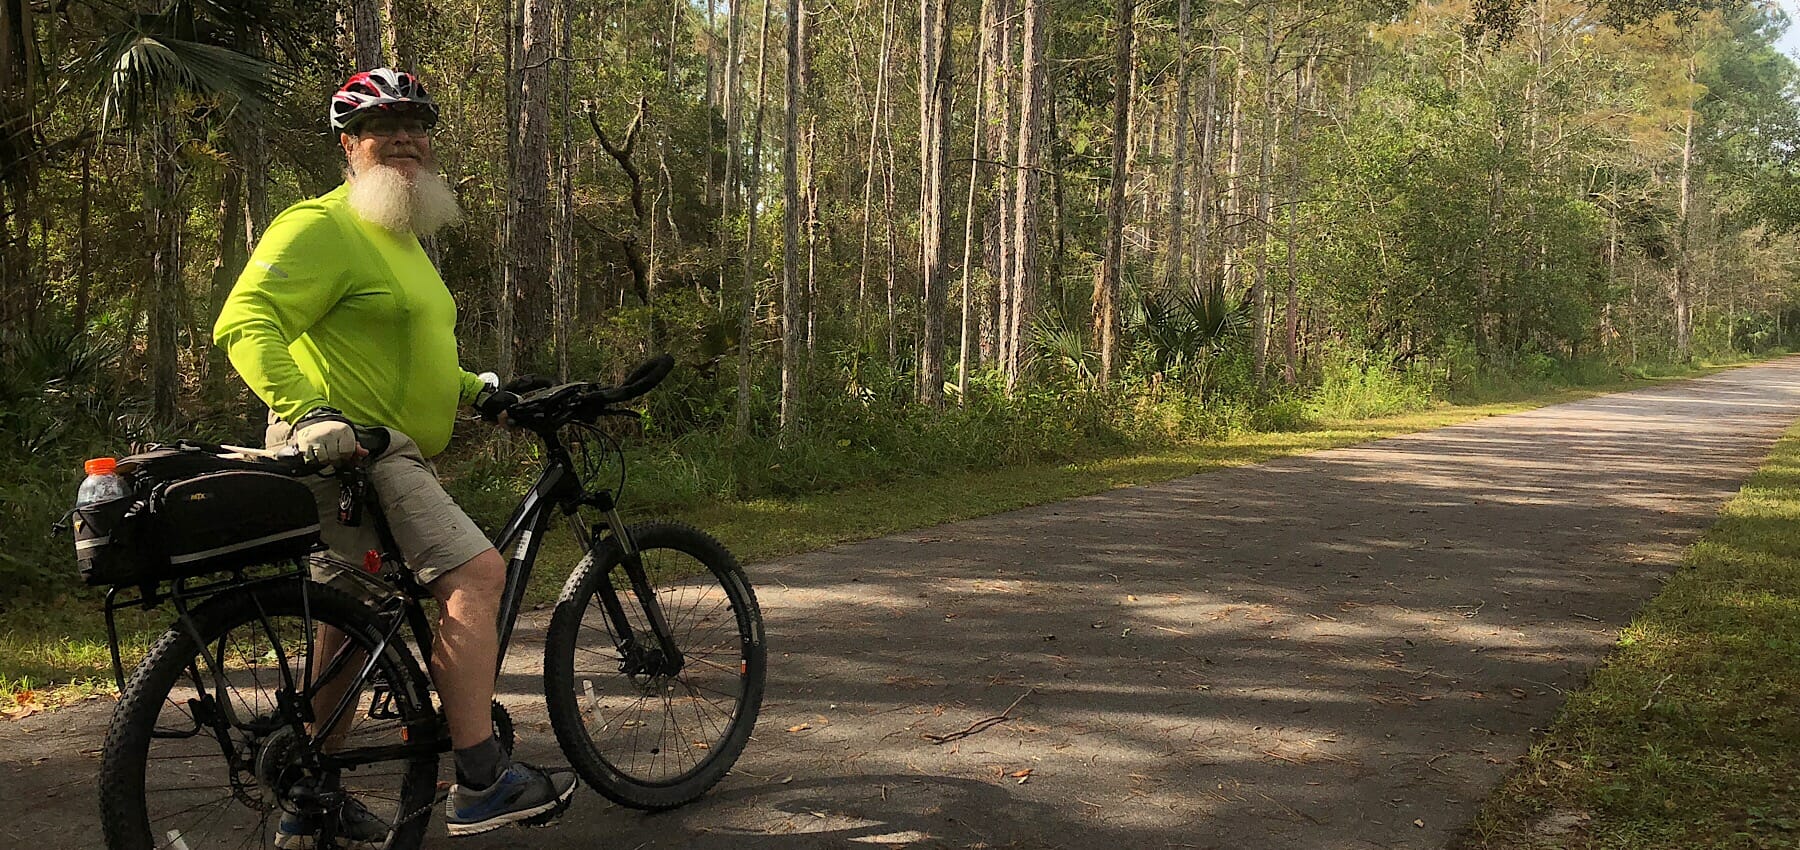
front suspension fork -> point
(632, 645)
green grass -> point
(57, 648)
(1689, 736)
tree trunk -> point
(1204, 253)
(399, 45)
(228, 263)
(790, 249)
(809, 190)
(631, 244)
(1034, 70)
(505, 362)
(165, 206)
(1106, 295)
(752, 201)
(528, 260)
(933, 219)
(1271, 129)
(253, 144)
(888, 204)
(997, 245)
(1178, 164)
(975, 175)
(927, 63)
(562, 277)
(1058, 207)
(1682, 292)
(365, 32)
(18, 147)
(729, 185)
(84, 275)
(875, 113)
(1231, 218)
(809, 295)
(1290, 342)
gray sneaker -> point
(523, 794)
(357, 828)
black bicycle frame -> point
(557, 486)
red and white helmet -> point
(385, 90)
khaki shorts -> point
(434, 535)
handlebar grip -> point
(373, 441)
(643, 379)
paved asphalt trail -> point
(1337, 650)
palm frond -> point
(152, 62)
(1178, 328)
(1064, 347)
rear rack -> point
(150, 596)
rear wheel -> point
(206, 749)
(644, 728)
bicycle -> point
(653, 669)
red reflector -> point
(372, 562)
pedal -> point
(381, 704)
(549, 817)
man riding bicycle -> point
(340, 317)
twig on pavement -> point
(981, 725)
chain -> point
(423, 811)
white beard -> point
(383, 196)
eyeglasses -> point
(387, 128)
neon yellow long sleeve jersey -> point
(333, 310)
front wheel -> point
(646, 727)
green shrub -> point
(1360, 388)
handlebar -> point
(373, 442)
(544, 409)
(553, 407)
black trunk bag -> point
(193, 512)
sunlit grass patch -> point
(57, 652)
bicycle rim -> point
(204, 756)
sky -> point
(1790, 40)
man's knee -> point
(481, 577)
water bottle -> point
(103, 483)
(100, 508)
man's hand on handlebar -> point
(323, 435)
(536, 404)
(494, 402)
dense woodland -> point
(885, 236)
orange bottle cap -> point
(101, 466)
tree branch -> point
(634, 254)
